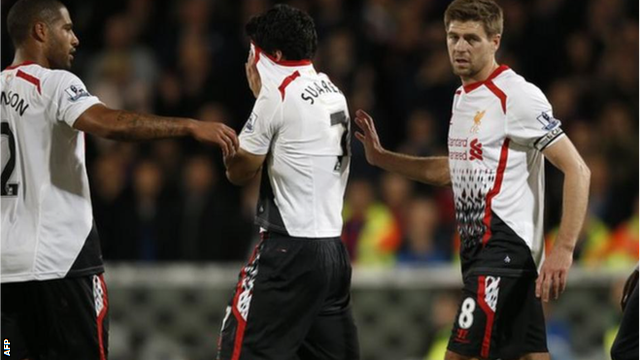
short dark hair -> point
(284, 28)
(488, 12)
(25, 13)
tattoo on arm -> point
(135, 126)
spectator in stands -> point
(371, 233)
(147, 219)
(210, 228)
(421, 243)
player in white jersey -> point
(500, 132)
(292, 300)
(54, 300)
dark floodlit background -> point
(174, 231)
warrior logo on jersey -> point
(251, 123)
(547, 121)
(76, 92)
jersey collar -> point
(259, 52)
(494, 74)
(25, 63)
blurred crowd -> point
(170, 201)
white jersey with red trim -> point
(498, 130)
(301, 122)
(47, 221)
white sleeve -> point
(70, 97)
(530, 120)
(263, 123)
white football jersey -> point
(300, 121)
(497, 131)
(47, 221)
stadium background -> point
(174, 231)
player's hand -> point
(368, 137)
(253, 77)
(629, 286)
(552, 279)
(217, 134)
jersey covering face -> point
(47, 222)
(498, 129)
(300, 121)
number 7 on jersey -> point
(340, 118)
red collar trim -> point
(259, 51)
(494, 74)
(18, 65)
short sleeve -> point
(530, 120)
(263, 123)
(70, 96)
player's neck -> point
(482, 75)
(28, 55)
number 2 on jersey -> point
(340, 118)
(10, 163)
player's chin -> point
(461, 71)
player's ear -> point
(40, 31)
(495, 40)
(278, 55)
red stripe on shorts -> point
(242, 324)
(486, 341)
(101, 316)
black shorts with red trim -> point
(56, 319)
(499, 317)
(292, 301)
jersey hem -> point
(269, 227)
(500, 271)
(87, 271)
(51, 275)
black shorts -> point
(625, 346)
(56, 319)
(499, 318)
(292, 301)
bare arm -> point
(243, 167)
(124, 125)
(429, 170)
(553, 272)
(566, 158)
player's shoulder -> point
(60, 76)
(46, 78)
(516, 87)
(40, 72)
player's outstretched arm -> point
(553, 273)
(243, 166)
(124, 125)
(429, 170)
